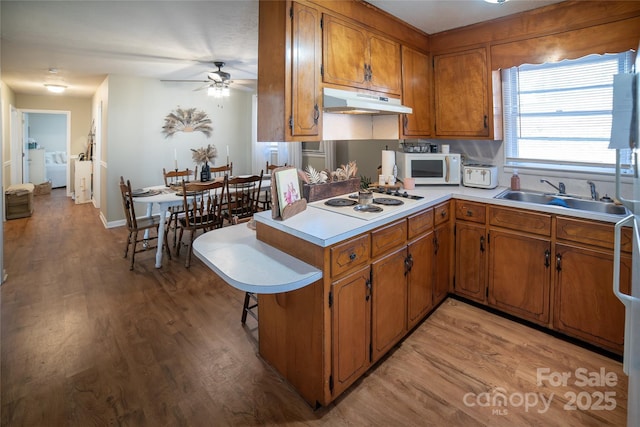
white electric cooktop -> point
(383, 203)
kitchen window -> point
(558, 115)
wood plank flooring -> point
(86, 342)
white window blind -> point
(559, 115)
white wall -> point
(49, 130)
(135, 147)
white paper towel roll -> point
(388, 162)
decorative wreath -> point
(187, 120)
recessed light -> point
(55, 88)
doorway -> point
(44, 143)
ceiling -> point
(87, 40)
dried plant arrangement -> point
(204, 155)
(187, 120)
(312, 176)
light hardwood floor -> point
(86, 342)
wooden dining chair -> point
(221, 171)
(202, 203)
(242, 197)
(264, 200)
(173, 178)
(137, 225)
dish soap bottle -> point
(515, 180)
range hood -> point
(347, 102)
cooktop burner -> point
(340, 202)
(367, 208)
(388, 201)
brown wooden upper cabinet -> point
(289, 87)
(461, 92)
(416, 93)
(356, 57)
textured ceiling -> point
(87, 40)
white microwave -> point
(429, 168)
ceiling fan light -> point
(226, 91)
(496, 1)
(55, 88)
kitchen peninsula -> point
(372, 281)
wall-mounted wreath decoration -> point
(187, 120)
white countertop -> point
(250, 265)
(325, 228)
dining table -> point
(163, 198)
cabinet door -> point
(585, 305)
(389, 299)
(350, 328)
(461, 94)
(345, 53)
(520, 275)
(416, 93)
(470, 261)
(306, 54)
(420, 279)
(385, 69)
(442, 245)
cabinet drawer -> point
(388, 237)
(349, 254)
(591, 233)
(519, 220)
(441, 213)
(420, 223)
(470, 211)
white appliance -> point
(625, 134)
(480, 176)
(383, 204)
(429, 168)
(351, 102)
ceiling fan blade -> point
(186, 81)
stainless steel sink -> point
(563, 201)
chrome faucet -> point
(594, 193)
(561, 189)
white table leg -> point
(163, 219)
(149, 209)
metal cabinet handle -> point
(547, 257)
(352, 256)
(408, 263)
(485, 122)
(481, 243)
(368, 290)
(316, 114)
(559, 262)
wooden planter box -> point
(313, 192)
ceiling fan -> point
(218, 82)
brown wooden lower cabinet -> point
(585, 306)
(420, 279)
(471, 249)
(520, 275)
(350, 328)
(389, 294)
(378, 285)
(443, 260)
